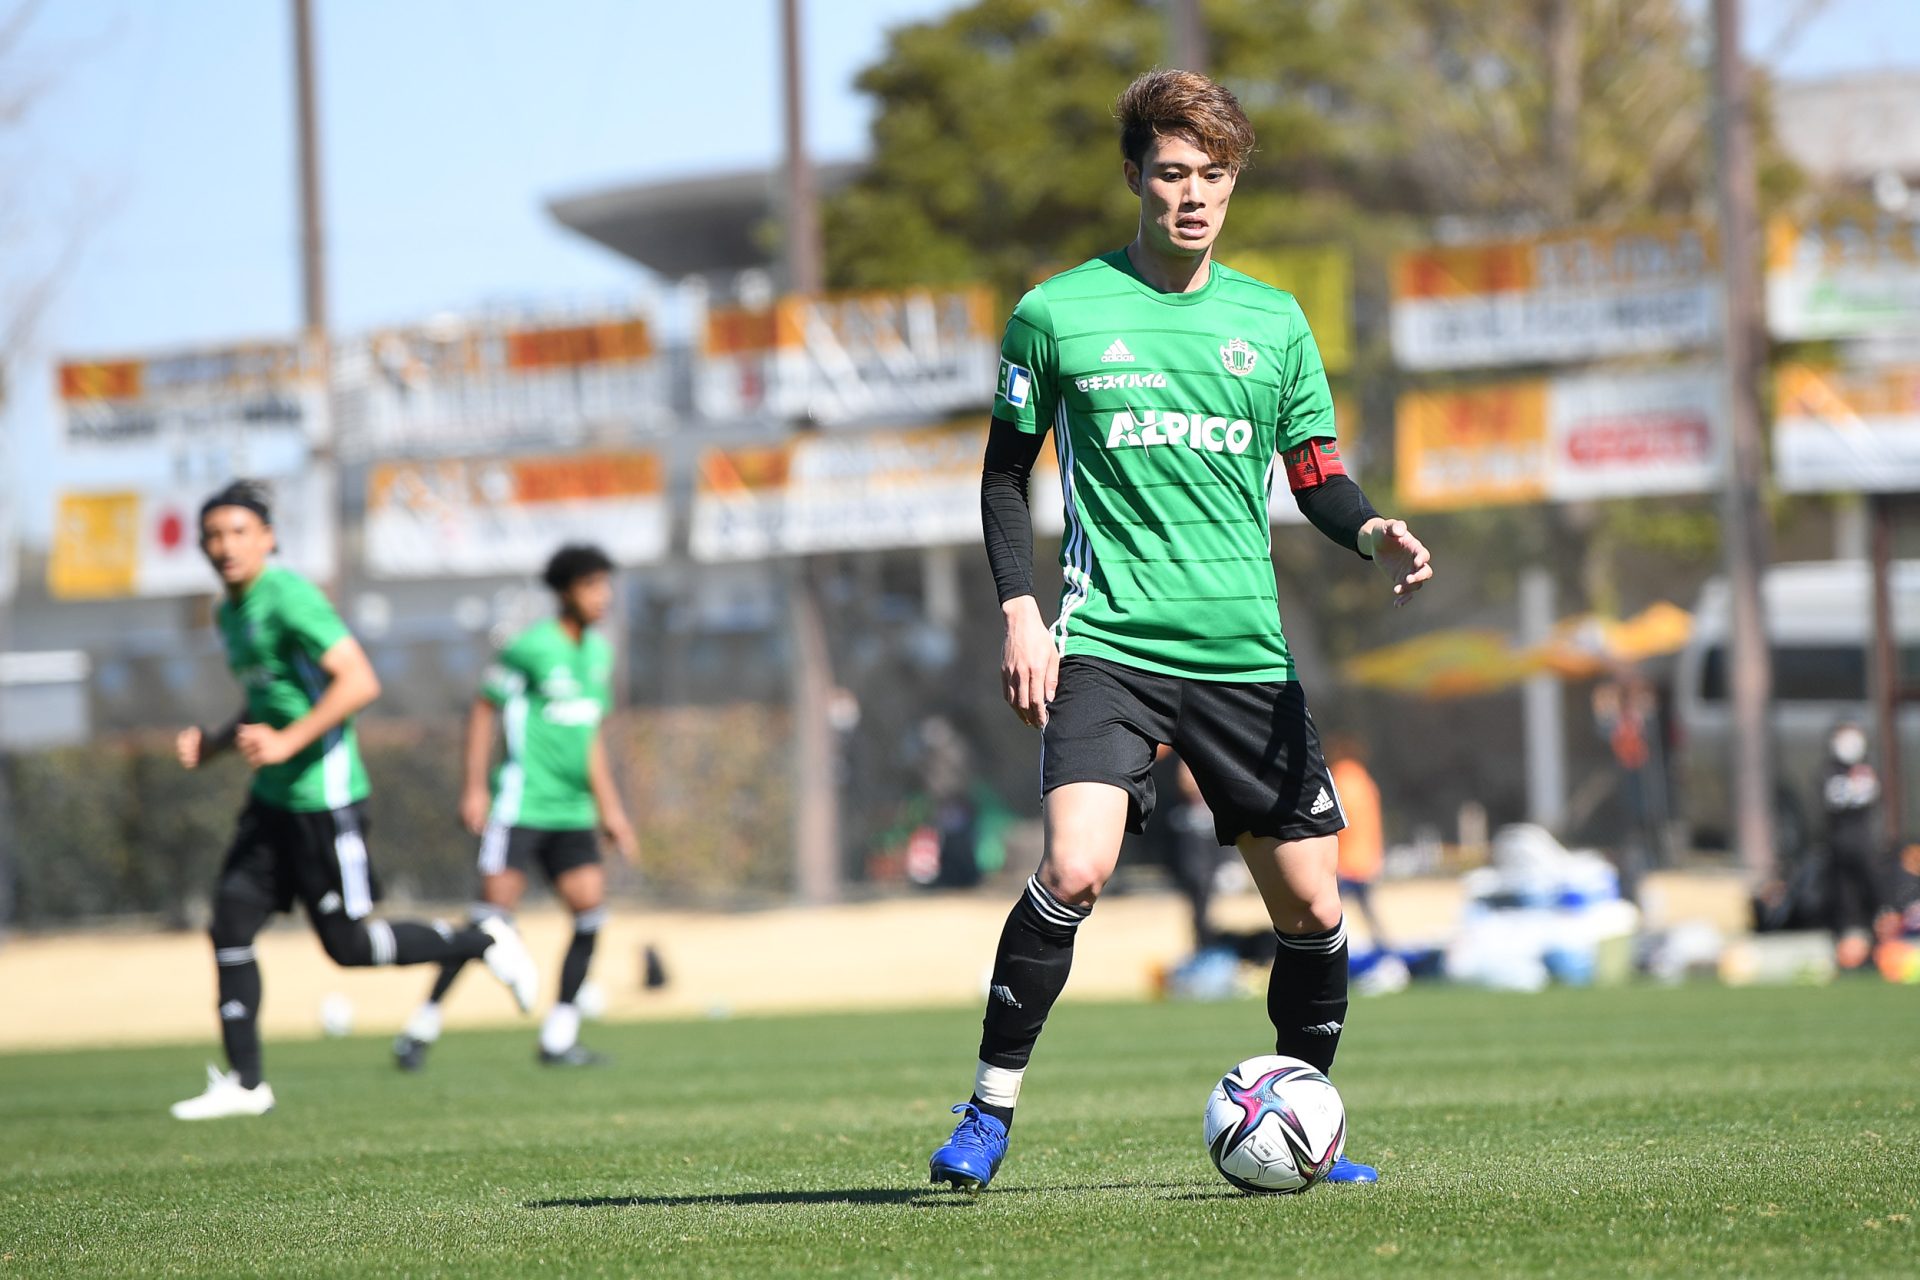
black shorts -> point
(521, 849)
(1252, 747)
(319, 859)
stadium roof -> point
(711, 225)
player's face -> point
(589, 598)
(237, 543)
(1183, 196)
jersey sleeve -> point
(1029, 386)
(1306, 402)
(506, 677)
(310, 618)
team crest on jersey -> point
(1239, 357)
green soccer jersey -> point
(552, 694)
(1168, 412)
(275, 637)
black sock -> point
(239, 979)
(416, 943)
(1030, 970)
(573, 970)
(1003, 1114)
(1307, 994)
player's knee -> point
(1075, 878)
(1315, 913)
(234, 923)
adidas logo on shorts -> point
(1320, 806)
(1004, 994)
(1116, 353)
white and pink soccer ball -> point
(1275, 1124)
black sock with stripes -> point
(1029, 972)
(1307, 994)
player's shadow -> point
(918, 1197)
(852, 1195)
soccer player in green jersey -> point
(303, 835)
(1174, 388)
(549, 690)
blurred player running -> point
(303, 834)
(550, 688)
(1174, 387)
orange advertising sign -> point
(608, 342)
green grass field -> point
(1678, 1132)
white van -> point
(1819, 616)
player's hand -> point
(261, 745)
(475, 807)
(186, 747)
(1029, 664)
(1399, 554)
(621, 833)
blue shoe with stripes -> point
(973, 1154)
(1351, 1172)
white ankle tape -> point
(997, 1085)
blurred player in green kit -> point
(551, 796)
(303, 834)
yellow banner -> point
(96, 546)
(1320, 277)
(1472, 447)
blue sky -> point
(162, 148)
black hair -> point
(573, 562)
(251, 494)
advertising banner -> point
(1605, 435)
(115, 543)
(200, 398)
(498, 384)
(1320, 277)
(1849, 277)
(851, 358)
(474, 517)
(1565, 297)
(866, 492)
(1854, 431)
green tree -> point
(994, 152)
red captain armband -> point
(1313, 464)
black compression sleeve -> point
(1337, 508)
(1011, 454)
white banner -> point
(1847, 431)
(1560, 298)
(481, 517)
(1846, 278)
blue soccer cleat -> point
(1351, 1172)
(973, 1154)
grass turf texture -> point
(1593, 1133)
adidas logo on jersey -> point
(1116, 353)
(1324, 803)
(1141, 428)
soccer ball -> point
(336, 1015)
(1275, 1124)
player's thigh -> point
(1255, 755)
(254, 876)
(1103, 725)
(1296, 880)
(573, 866)
(327, 854)
(1085, 823)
